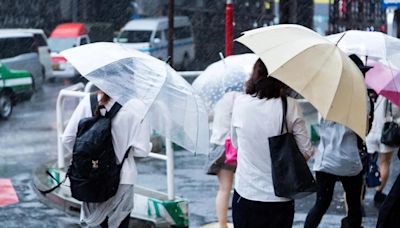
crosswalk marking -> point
(7, 193)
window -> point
(60, 44)
(182, 33)
(136, 36)
(40, 40)
(11, 47)
(83, 41)
(158, 35)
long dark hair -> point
(263, 86)
(103, 100)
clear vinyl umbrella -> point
(379, 50)
(228, 74)
(176, 111)
(366, 44)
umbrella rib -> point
(314, 75)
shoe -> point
(346, 224)
(379, 198)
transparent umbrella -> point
(176, 111)
(367, 44)
(224, 76)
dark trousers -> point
(389, 213)
(253, 214)
(352, 187)
(124, 223)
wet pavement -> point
(28, 139)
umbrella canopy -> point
(375, 45)
(176, 111)
(385, 81)
(384, 50)
(315, 68)
(224, 76)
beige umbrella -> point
(315, 68)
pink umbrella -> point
(385, 81)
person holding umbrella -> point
(338, 160)
(256, 116)
(129, 133)
(383, 111)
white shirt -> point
(381, 115)
(254, 120)
(222, 118)
(127, 130)
(339, 154)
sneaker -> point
(379, 198)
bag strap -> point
(44, 192)
(113, 111)
(284, 110)
(125, 156)
(388, 107)
(93, 103)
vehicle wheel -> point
(6, 105)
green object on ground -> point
(314, 134)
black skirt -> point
(216, 160)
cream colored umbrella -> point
(315, 68)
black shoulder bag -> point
(290, 173)
(391, 130)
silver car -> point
(44, 50)
(19, 51)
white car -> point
(44, 50)
(149, 35)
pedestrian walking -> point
(130, 138)
(257, 115)
(384, 111)
(339, 160)
(389, 212)
(220, 132)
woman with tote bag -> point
(257, 115)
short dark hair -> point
(262, 85)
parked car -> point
(44, 50)
(150, 36)
(14, 84)
(64, 36)
(19, 51)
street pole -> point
(228, 28)
(390, 22)
(171, 32)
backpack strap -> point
(125, 156)
(44, 192)
(93, 103)
(113, 111)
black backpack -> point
(94, 173)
